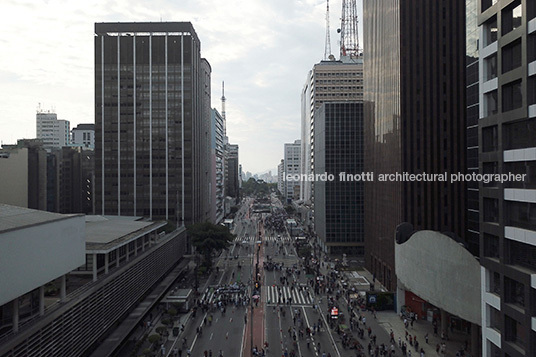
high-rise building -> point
(280, 176)
(23, 173)
(328, 81)
(152, 121)
(292, 160)
(84, 135)
(338, 200)
(76, 173)
(507, 145)
(217, 188)
(232, 186)
(414, 121)
(53, 132)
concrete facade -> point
(438, 269)
(84, 135)
(292, 166)
(55, 243)
(14, 176)
(507, 144)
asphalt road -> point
(289, 301)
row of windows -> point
(516, 135)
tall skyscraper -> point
(217, 188)
(507, 143)
(292, 167)
(328, 81)
(414, 121)
(152, 121)
(280, 177)
(338, 213)
(232, 186)
(54, 133)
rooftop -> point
(105, 233)
(85, 127)
(13, 217)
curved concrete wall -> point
(442, 272)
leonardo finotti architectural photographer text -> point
(407, 177)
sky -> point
(262, 49)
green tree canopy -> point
(209, 238)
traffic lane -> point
(225, 333)
(273, 331)
(323, 334)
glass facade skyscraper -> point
(414, 121)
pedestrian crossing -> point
(249, 239)
(212, 295)
(281, 295)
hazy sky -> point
(263, 49)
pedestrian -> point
(426, 338)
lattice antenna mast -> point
(348, 30)
(327, 46)
(223, 107)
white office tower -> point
(53, 132)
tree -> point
(209, 238)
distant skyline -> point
(262, 50)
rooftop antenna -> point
(348, 30)
(223, 106)
(327, 46)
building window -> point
(527, 168)
(493, 350)
(491, 246)
(521, 215)
(495, 283)
(511, 17)
(490, 64)
(490, 103)
(512, 97)
(494, 318)
(514, 292)
(489, 139)
(531, 90)
(486, 4)
(511, 56)
(531, 47)
(520, 134)
(491, 210)
(514, 331)
(490, 31)
(490, 168)
(521, 254)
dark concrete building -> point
(507, 138)
(339, 200)
(152, 121)
(76, 178)
(414, 121)
(232, 186)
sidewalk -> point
(390, 320)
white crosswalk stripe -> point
(209, 296)
(274, 295)
(250, 239)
